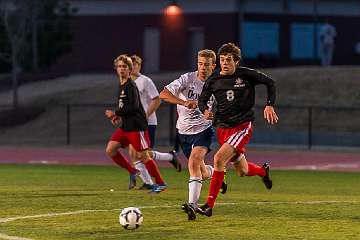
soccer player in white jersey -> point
(150, 100)
(195, 132)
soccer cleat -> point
(189, 210)
(155, 189)
(205, 210)
(266, 179)
(145, 186)
(132, 181)
(162, 187)
(223, 188)
(183, 206)
(175, 161)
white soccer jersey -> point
(188, 87)
(148, 91)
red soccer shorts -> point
(138, 139)
(237, 136)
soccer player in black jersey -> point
(132, 125)
(234, 90)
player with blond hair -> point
(131, 122)
(195, 132)
(150, 101)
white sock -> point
(162, 156)
(144, 174)
(210, 170)
(195, 184)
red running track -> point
(279, 159)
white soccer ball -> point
(131, 218)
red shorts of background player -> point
(138, 139)
(237, 136)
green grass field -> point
(301, 205)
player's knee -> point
(111, 152)
(196, 158)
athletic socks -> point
(195, 184)
(210, 170)
(120, 160)
(162, 156)
(144, 174)
(154, 171)
(254, 170)
(214, 188)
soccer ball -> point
(131, 218)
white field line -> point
(11, 219)
(6, 237)
(5, 220)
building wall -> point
(127, 7)
(104, 29)
(99, 39)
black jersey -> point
(235, 95)
(130, 108)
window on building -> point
(302, 41)
(260, 39)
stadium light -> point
(172, 9)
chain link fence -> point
(86, 124)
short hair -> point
(207, 53)
(232, 49)
(126, 59)
(136, 59)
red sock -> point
(154, 171)
(214, 189)
(254, 169)
(123, 162)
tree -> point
(37, 33)
(50, 34)
(14, 16)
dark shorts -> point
(152, 132)
(201, 139)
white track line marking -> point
(11, 219)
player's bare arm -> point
(153, 106)
(167, 96)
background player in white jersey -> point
(150, 101)
(195, 132)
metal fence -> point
(86, 124)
